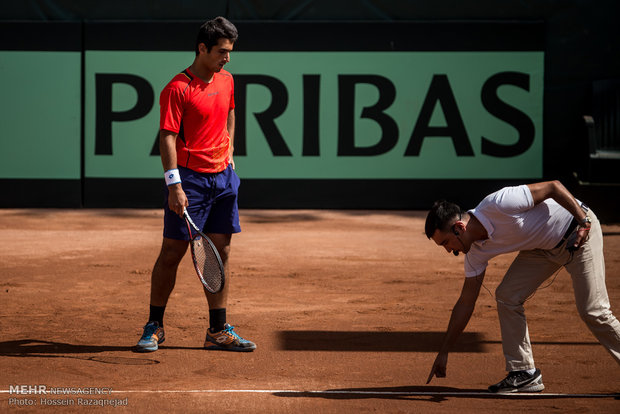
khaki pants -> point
(530, 269)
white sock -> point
(531, 371)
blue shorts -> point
(212, 205)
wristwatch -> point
(586, 222)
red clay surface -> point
(347, 305)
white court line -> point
(354, 392)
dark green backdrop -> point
(579, 40)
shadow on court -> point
(427, 393)
(268, 216)
(35, 348)
(365, 341)
(360, 341)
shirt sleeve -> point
(513, 200)
(171, 109)
(474, 264)
(232, 94)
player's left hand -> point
(582, 237)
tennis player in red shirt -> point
(197, 124)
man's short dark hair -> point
(213, 30)
(441, 216)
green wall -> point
(325, 113)
(40, 114)
(448, 84)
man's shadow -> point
(29, 348)
(427, 393)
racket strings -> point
(207, 264)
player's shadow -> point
(47, 349)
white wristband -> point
(172, 176)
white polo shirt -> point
(514, 223)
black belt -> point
(572, 226)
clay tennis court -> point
(347, 309)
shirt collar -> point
(488, 226)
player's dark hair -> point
(441, 216)
(213, 30)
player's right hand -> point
(177, 200)
(439, 367)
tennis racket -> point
(207, 260)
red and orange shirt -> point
(198, 112)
